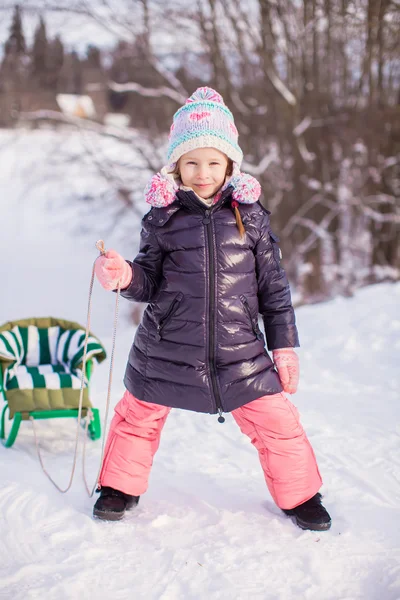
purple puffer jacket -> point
(199, 346)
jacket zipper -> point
(164, 320)
(211, 336)
(254, 323)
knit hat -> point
(204, 122)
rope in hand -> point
(89, 414)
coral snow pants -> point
(271, 422)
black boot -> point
(112, 504)
(311, 514)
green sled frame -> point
(94, 428)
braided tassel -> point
(239, 222)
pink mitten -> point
(111, 268)
(287, 364)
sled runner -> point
(40, 372)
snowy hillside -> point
(207, 528)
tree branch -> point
(139, 89)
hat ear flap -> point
(246, 189)
(161, 189)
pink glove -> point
(111, 268)
(287, 364)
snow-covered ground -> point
(207, 528)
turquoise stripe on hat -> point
(192, 106)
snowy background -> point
(207, 527)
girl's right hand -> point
(110, 268)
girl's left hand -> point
(287, 364)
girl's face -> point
(203, 170)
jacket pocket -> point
(275, 248)
(167, 316)
(253, 320)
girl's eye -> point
(192, 162)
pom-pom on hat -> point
(204, 121)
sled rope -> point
(89, 414)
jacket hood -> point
(162, 187)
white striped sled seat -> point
(52, 377)
(41, 361)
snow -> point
(74, 105)
(207, 527)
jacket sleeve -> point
(146, 268)
(274, 298)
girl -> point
(208, 264)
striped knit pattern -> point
(204, 121)
(44, 358)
